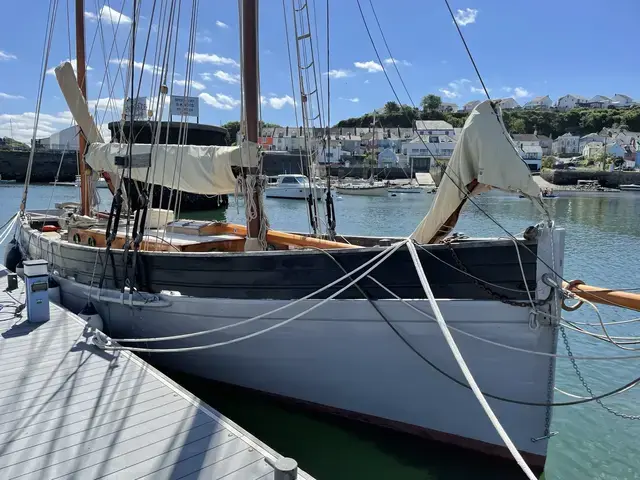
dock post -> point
(284, 468)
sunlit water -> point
(602, 248)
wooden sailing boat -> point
(361, 352)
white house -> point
(439, 146)
(599, 101)
(532, 155)
(544, 142)
(508, 104)
(567, 143)
(539, 102)
(333, 155)
(447, 107)
(590, 138)
(569, 101)
(434, 127)
(592, 149)
(621, 100)
(387, 158)
(467, 107)
(66, 139)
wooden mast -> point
(81, 73)
(251, 99)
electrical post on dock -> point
(36, 279)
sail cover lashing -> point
(204, 170)
(484, 158)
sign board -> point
(187, 106)
(139, 109)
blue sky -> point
(523, 49)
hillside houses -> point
(539, 102)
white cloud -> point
(8, 96)
(149, 68)
(352, 100)
(458, 84)
(20, 126)
(107, 103)
(108, 15)
(478, 89)
(220, 101)
(390, 61)
(277, 102)
(193, 84)
(466, 16)
(212, 58)
(507, 89)
(370, 66)
(521, 92)
(449, 93)
(227, 77)
(339, 73)
(7, 56)
(74, 64)
(206, 76)
(221, 24)
(202, 37)
(366, 81)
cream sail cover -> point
(484, 152)
(205, 170)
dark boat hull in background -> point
(176, 133)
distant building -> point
(532, 155)
(434, 127)
(601, 99)
(66, 139)
(447, 107)
(621, 100)
(387, 158)
(508, 104)
(532, 139)
(592, 150)
(590, 138)
(539, 102)
(421, 150)
(332, 155)
(467, 107)
(569, 101)
(566, 144)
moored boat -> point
(632, 187)
(294, 186)
(346, 325)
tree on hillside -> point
(232, 131)
(430, 102)
(391, 107)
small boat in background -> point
(632, 187)
(293, 186)
(365, 189)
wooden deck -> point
(68, 409)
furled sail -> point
(484, 158)
(204, 170)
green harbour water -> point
(602, 248)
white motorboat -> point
(632, 187)
(408, 188)
(294, 186)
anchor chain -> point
(586, 385)
(496, 296)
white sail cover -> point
(205, 170)
(485, 153)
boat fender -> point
(90, 315)
(13, 256)
(50, 228)
(54, 291)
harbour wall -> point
(606, 179)
(13, 166)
